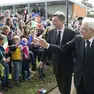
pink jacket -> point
(25, 50)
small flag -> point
(23, 43)
(30, 40)
(5, 46)
(42, 90)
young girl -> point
(27, 35)
(25, 63)
(26, 32)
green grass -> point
(31, 86)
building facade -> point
(50, 6)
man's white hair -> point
(89, 21)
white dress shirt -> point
(62, 33)
(90, 40)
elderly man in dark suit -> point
(83, 45)
(63, 67)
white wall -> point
(62, 7)
(53, 8)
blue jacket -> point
(1, 25)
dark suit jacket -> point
(66, 63)
(84, 66)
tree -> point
(87, 3)
(90, 8)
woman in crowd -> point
(9, 22)
(21, 26)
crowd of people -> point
(17, 33)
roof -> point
(76, 2)
(20, 2)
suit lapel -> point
(91, 50)
(55, 34)
(65, 34)
(82, 45)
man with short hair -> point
(83, 46)
(63, 67)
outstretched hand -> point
(35, 41)
(40, 41)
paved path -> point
(56, 91)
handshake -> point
(40, 42)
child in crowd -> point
(4, 62)
(32, 57)
(25, 63)
(16, 58)
(1, 72)
(6, 31)
(27, 35)
(41, 71)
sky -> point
(17, 1)
(91, 1)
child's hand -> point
(7, 59)
(16, 45)
(5, 52)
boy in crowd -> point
(4, 61)
(16, 58)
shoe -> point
(17, 84)
(41, 77)
(10, 86)
(34, 68)
(19, 75)
(28, 77)
(10, 76)
(20, 80)
(4, 89)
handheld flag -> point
(30, 40)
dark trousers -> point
(4, 80)
(10, 62)
(81, 89)
(10, 67)
(32, 59)
(38, 53)
(41, 73)
(25, 69)
(64, 82)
